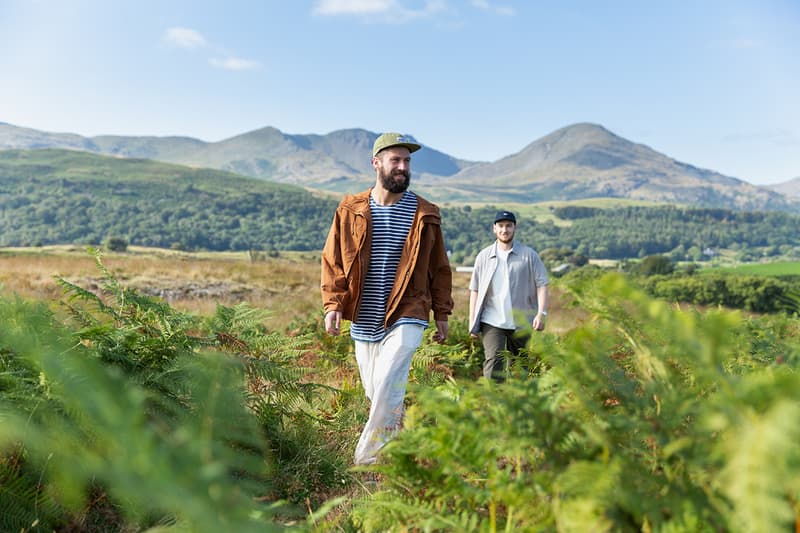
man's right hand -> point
(333, 320)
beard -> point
(390, 183)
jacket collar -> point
(359, 204)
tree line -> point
(64, 197)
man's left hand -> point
(538, 322)
(441, 331)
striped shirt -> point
(390, 226)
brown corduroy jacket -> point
(424, 279)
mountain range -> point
(575, 162)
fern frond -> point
(24, 505)
(761, 466)
(76, 292)
(584, 492)
(110, 283)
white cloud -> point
(500, 10)
(189, 39)
(234, 63)
(185, 38)
(353, 7)
(387, 11)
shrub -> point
(655, 265)
(116, 244)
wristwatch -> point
(544, 313)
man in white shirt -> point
(508, 292)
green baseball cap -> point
(387, 140)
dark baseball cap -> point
(505, 215)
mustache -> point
(392, 184)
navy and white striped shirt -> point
(390, 226)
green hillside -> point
(61, 196)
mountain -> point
(575, 162)
(587, 160)
(790, 188)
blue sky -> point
(714, 83)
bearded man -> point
(384, 269)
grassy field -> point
(542, 212)
(781, 268)
(287, 285)
(190, 282)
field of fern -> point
(174, 392)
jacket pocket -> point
(351, 237)
(348, 260)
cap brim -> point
(412, 147)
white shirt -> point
(497, 311)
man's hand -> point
(333, 320)
(538, 322)
(441, 331)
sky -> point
(712, 83)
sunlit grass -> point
(287, 285)
(781, 268)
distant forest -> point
(684, 233)
(60, 197)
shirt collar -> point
(494, 249)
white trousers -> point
(384, 367)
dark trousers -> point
(495, 341)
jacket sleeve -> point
(441, 278)
(333, 280)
